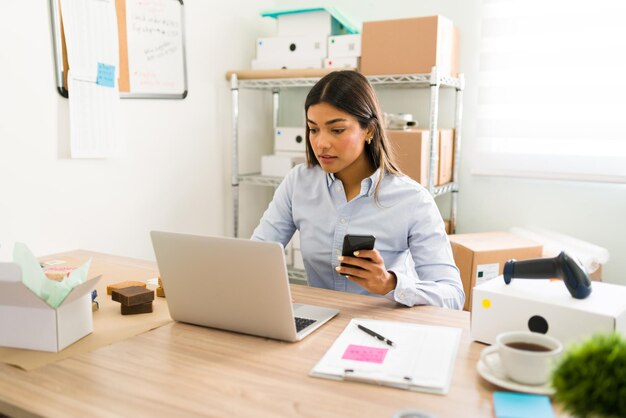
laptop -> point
(232, 284)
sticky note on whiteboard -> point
(106, 75)
(365, 353)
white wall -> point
(177, 173)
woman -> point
(351, 185)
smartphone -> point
(352, 243)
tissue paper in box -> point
(26, 321)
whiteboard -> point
(151, 47)
(156, 48)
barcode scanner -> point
(562, 266)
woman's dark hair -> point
(350, 92)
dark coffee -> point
(528, 346)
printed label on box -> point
(486, 272)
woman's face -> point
(338, 141)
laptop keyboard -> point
(302, 323)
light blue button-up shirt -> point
(410, 233)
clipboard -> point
(422, 358)
(152, 57)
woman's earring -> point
(369, 140)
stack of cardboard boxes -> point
(289, 150)
(344, 51)
(305, 38)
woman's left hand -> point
(372, 274)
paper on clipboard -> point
(422, 358)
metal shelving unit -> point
(281, 80)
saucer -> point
(500, 379)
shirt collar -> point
(369, 183)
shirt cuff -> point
(404, 292)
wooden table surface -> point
(184, 370)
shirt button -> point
(342, 220)
(338, 188)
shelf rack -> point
(275, 80)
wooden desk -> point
(183, 370)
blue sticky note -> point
(521, 405)
(106, 75)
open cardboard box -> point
(26, 321)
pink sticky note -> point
(364, 353)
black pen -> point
(376, 335)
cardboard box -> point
(279, 165)
(596, 275)
(446, 156)
(412, 151)
(290, 139)
(480, 257)
(28, 322)
(286, 64)
(410, 46)
(344, 46)
(411, 148)
(546, 306)
(350, 63)
(292, 48)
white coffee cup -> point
(525, 357)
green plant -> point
(590, 378)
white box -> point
(546, 305)
(306, 47)
(305, 24)
(290, 139)
(345, 62)
(344, 46)
(298, 262)
(28, 322)
(286, 64)
(278, 165)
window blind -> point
(552, 90)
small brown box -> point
(481, 256)
(137, 309)
(160, 292)
(411, 148)
(410, 46)
(121, 285)
(134, 295)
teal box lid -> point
(349, 27)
